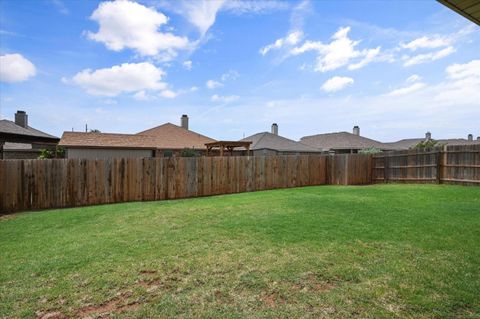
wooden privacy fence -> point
(452, 164)
(42, 184)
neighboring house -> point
(18, 140)
(342, 142)
(408, 143)
(266, 143)
(164, 140)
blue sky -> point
(395, 68)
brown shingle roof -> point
(166, 136)
(171, 136)
(107, 140)
(271, 141)
(341, 140)
(10, 127)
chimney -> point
(275, 129)
(470, 137)
(184, 121)
(21, 119)
(428, 136)
(356, 130)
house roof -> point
(166, 136)
(271, 141)
(107, 140)
(470, 9)
(175, 137)
(341, 140)
(10, 127)
(408, 143)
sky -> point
(397, 69)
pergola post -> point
(228, 146)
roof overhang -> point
(470, 9)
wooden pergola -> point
(228, 146)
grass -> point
(383, 251)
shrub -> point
(371, 150)
(188, 152)
(426, 144)
(46, 153)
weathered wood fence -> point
(42, 184)
(451, 164)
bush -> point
(371, 150)
(46, 153)
(426, 144)
(188, 152)
(58, 152)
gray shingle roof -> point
(271, 141)
(341, 140)
(10, 127)
(408, 143)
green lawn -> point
(384, 251)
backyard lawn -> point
(382, 251)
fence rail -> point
(42, 184)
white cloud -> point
(255, 6)
(169, 94)
(212, 84)
(127, 24)
(408, 89)
(224, 99)
(370, 56)
(426, 42)
(467, 70)
(413, 78)
(463, 85)
(289, 40)
(201, 13)
(15, 68)
(438, 41)
(142, 96)
(428, 57)
(127, 77)
(61, 7)
(339, 52)
(230, 75)
(187, 65)
(336, 83)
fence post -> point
(385, 168)
(441, 162)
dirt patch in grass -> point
(49, 315)
(312, 284)
(8, 217)
(116, 305)
(272, 299)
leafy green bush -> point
(58, 152)
(46, 153)
(426, 144)
(188, 152)
(370, 150)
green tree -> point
(426, 144)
